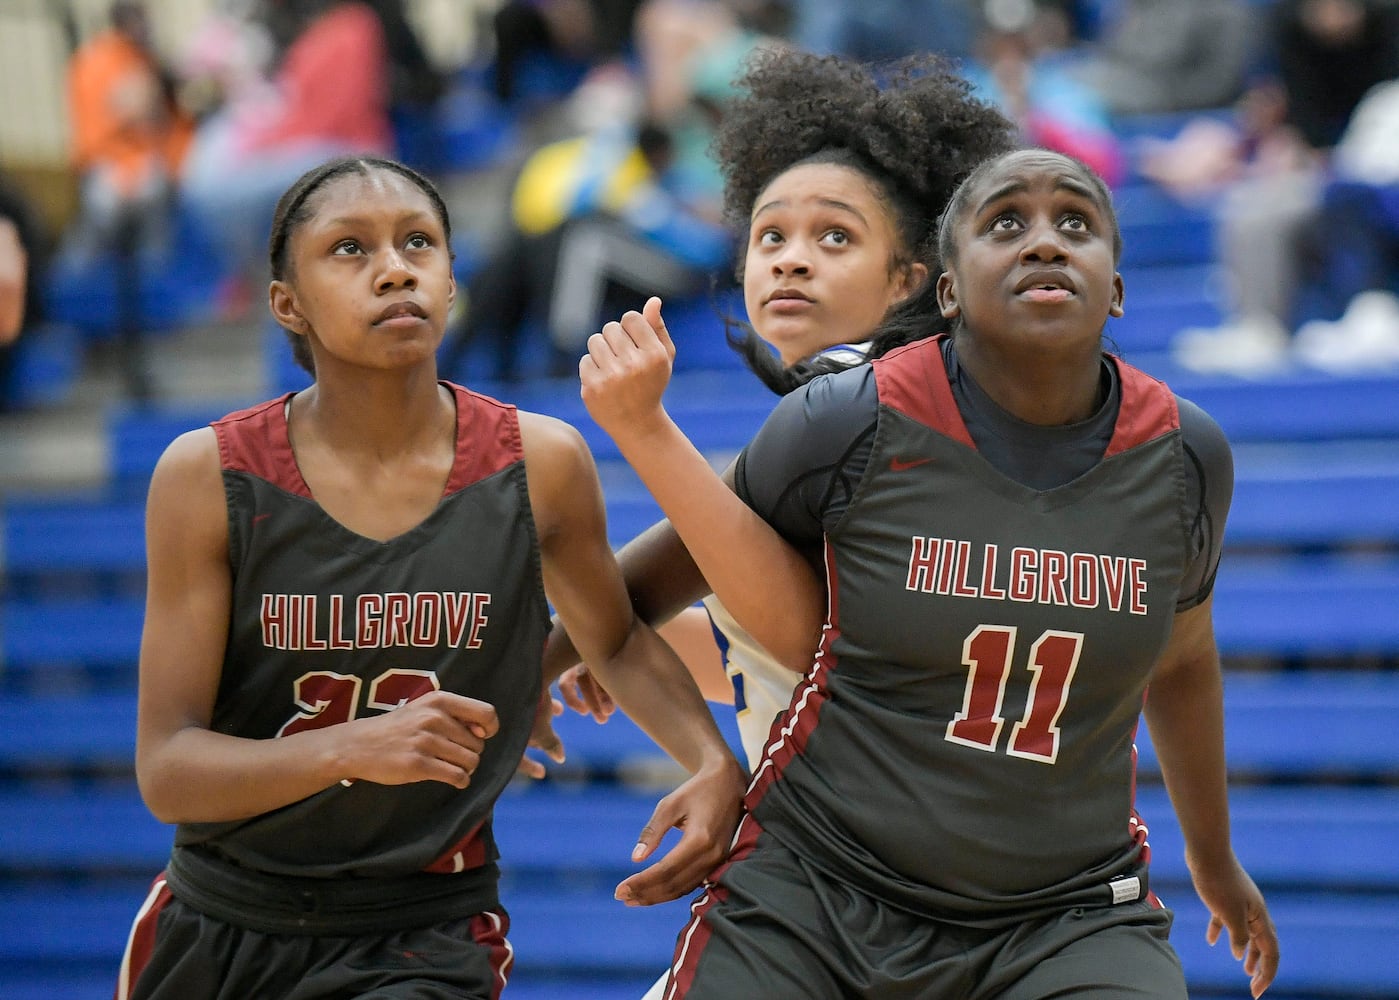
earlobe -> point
(1115, 309)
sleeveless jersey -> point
(328, 625)
(964, 744)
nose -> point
(791, 258)
(394, 272)
(1043, 242)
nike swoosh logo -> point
(897, 464)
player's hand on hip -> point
(706, 810)
(436, 737)
(626, 370)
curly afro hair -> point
(912, 126)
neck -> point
(383, 414)
(1048, 388)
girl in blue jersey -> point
(837, 172)
(347, 603)
(1020, 536)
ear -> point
(912, 278)
(947, 296)
(451, 290)
(281, 300)
(1115, 309)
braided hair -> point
(911, 126)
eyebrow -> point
(1069, 184)
(824, 202)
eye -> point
(1074, 222)
(418, 241)
(769, 238)
(346, 247)
(1006, 222)
(838, 237)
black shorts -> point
(178, 953)
(776, 928)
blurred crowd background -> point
(144, 142)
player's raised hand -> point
(626, 371)
(706, 810)
(436, 737)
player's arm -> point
(624, 377)
(1185, 713)
(664, 585)
(585, 586)
(187, 772)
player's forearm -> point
(1185, 713)
(783, 606)
(199, 776)
(654, 689)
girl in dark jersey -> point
(836, 171)
(345, 617)
(1020, 537)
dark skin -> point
(1031, 283)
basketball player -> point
(1020, 538)
(837, 173)
(345, 619)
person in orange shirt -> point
(129, 136)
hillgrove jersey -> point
(963, 746)
(328, 625)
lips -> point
(788, 295)
(1045, 281)
(401, 309)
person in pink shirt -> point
(312, 109)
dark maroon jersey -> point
(328, 625)
(964, 744)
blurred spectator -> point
(329, 97)
(1357, 277)
(879, 30)
(591, 216)
(690, 53)
(581, 32)
(1271, 175)
(129, 137)
(1028, 83)
(129, 140)
(1156, 56)
(414, 82)
(228, 58)
(1329, 54)
(21, 265)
